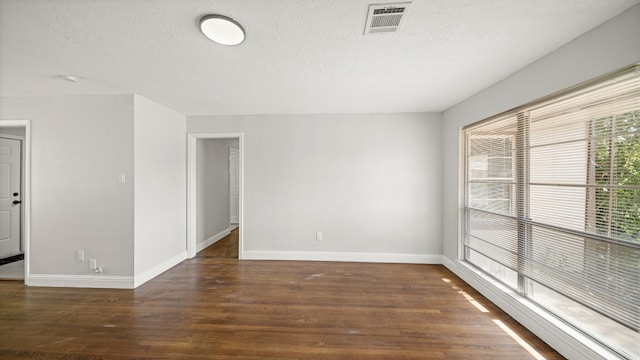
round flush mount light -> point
(69, 78)
(221, 29)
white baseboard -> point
(569, 342)
(342, 256)
(104, 281)
(159, 269)
(81, 281)
(212, 240)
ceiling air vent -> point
(386, 18)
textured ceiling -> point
(300, 56)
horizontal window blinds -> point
(552, 197)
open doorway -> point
(14, 199)
(214, 190)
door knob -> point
(16, 202)
(15, 194)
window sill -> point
(565, 339)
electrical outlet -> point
(319, 236)
(80, 255)
(93, 264)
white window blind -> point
(552, 203)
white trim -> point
(82, 281)
(201, 245)
(191, 196)
(26, 191)
(105, 281)
(343, 256)
(230, 150)
(159, 269)
(462, 175)
(569, 342)
(191, 188)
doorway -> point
(195, 173)
(10, 191)
(15, 146)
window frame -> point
(521, 216)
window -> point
(552, 205)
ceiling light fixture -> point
(69, 78)
(221, 29)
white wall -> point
(80, 148)
(80, 144)
(369, 182)
(212, 187)
(610, 46)
(160, 188)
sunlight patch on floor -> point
(500, 324)
(468, 297)
(519, 340)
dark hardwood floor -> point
(214, 307)
(225, 248)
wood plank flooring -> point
(225, 248)
(216, 308)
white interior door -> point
(10, 195)
(234, 186)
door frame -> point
(231, 150)
(26, 191)
(192, 217)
